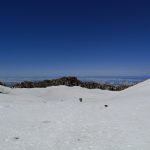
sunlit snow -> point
(53, 118)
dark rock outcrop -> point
(69, 81)
(1, 83)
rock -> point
(69, 81)
(16, 138)
(80, 99)
(1, 83)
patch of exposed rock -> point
(1, 83)
(69, 81)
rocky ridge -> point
(1, 83)
(69, 81)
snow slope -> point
(4, 90)
(54, 119)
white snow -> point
(4, 90)
(54, 119)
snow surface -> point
(4, 90)
(53, 118)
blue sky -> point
(74, 37)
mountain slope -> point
(54, 119)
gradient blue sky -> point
(74, 37)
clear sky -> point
(74, 37)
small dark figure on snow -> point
(106, 105)
(80, 99)
(16, 138)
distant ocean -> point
(114, 80)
